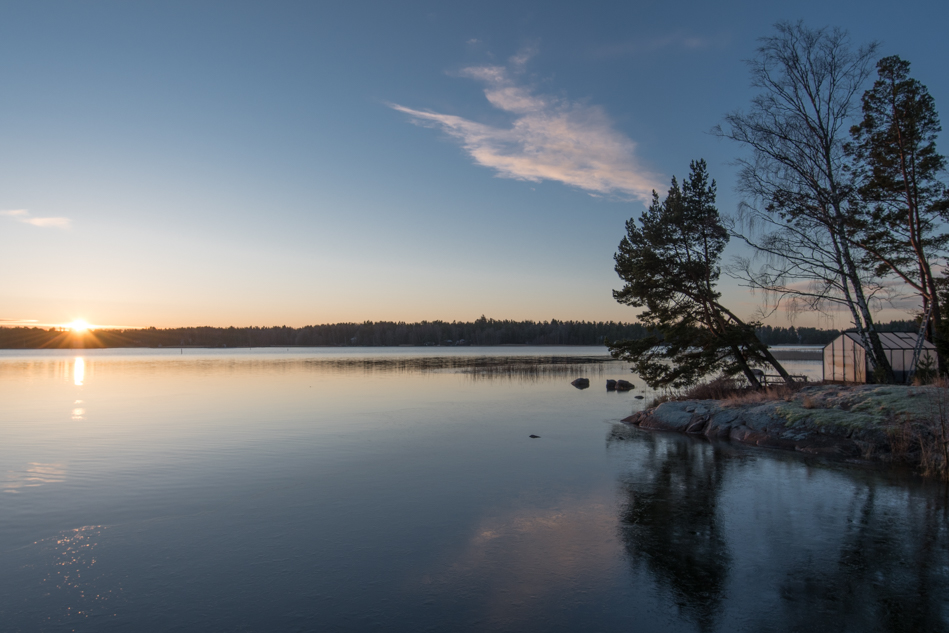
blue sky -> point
(292, 163)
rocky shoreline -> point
(879, 423)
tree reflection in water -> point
(891, 574)
(852, 550)
(669, 525)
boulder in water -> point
(623, 385)
(581, 383)
(611, 385)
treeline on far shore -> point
(482, 331)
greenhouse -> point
(845, 358)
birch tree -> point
(797, 183)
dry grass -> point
(735, 393)
(922, 438)
(718, 389)
(765, 394)
(731, 392)
(665, 397)
(933, 436)
(902, 436)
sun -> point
(78, 326)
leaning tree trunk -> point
(745, 369)
(859, 309)
(871, 333)
(777, 366)
(755, 343)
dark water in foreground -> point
(398, 490)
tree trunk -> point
(756, 343)
(875, 348)
(777, 366)
(855, 315)
(750, 375)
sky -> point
(289, 163)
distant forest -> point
(483, 331)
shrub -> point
(933, 436)
(717, 389)
(655, 402)
(735, 392)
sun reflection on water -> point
(79, 371)
(67, 570)
(33, 475)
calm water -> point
(398, 490)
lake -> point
(397, 489)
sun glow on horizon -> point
(78, 326)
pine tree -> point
(903, 200)
(669, 260)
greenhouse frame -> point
(845, 358)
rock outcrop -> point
(840, 421)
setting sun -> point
(78, 326)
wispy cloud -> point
(60, 223)
(681, 40)
(550, 138)
(22, 215)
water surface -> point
(398, 489)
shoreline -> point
(882, 424)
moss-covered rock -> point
(848, 421)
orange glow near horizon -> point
(78, 326)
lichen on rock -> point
(843, 421)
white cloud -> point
(523, 56)
(60, 223)
(549, 139)
(24, 216)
